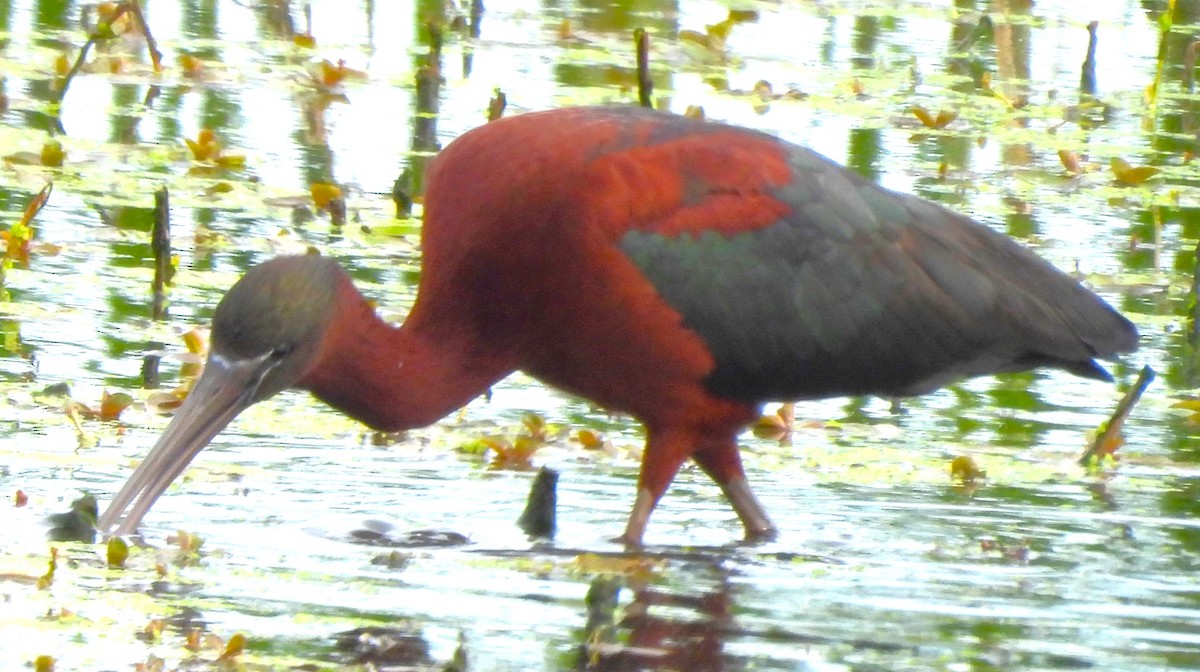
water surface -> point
(882, 563)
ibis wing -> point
(860, 290)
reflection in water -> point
(410, 184)
(474, 26)
(275, 17)
(618, 19)
(399, 646)
(426, 103)
(662, 629)
(1013, 44)
(1087, 71)
(864, 151)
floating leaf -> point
(194, 640)
(304, 41)
(205, 147)
(154, 629)
(924, 115)
(196, 341)
(326, 75)
(535, 426)
(233, 648)
(1132, 175)
(192, 66)
(963, 469)
(323, 194)
(117, 552)
(332, 75)
(21, 233)
(776, 426)
(516, 454)
(17, 240)
(188, 543)
(1070, 161)
(112, 405)
(163, 402)
(53, 154)
(20, 499)
(942, 119)
(201, 152)
(590, 439)
(566, 32)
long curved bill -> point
(224, 389)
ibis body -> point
(681, 271)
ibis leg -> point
(722, 461)
(665, 452)
(754, 517)
(635, 529)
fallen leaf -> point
(323, 194)
(590, 439)
(112, 405)
(1070, 161)
(1132, 175)
(233, 648)
(116, 552)
(154, 629)
(192, 66)
(942, 119)
(53, 154)
(964, 469)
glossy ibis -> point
(678, 270)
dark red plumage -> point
(680, 271)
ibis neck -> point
(397, 378)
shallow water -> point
(881, 562)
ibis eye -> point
(280, 352)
